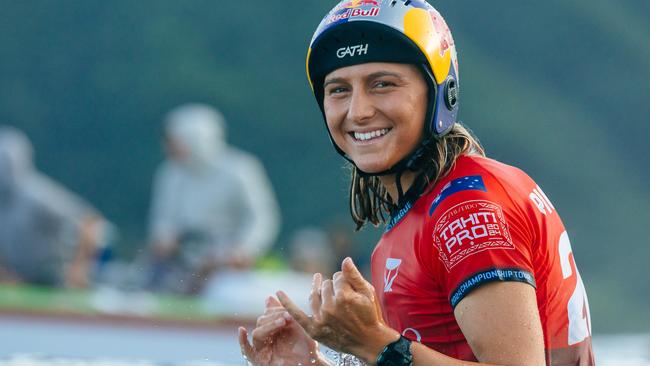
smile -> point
(365, 136)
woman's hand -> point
(278, 340)
(346, 315)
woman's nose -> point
(361, 107)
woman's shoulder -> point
(476, 178)
(490, 169)
(486, 164)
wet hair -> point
(369, 199)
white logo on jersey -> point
(392, 268)
(418, 337)
(541, 201)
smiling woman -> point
(375, 112)
(475, 264)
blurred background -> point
(559, 89)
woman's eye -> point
(336, 90)
(383, 84)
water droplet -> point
(312, 360)
(244, 356)
(299, 363)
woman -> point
(474, 265)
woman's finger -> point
(271, 316)
(272, 302)
(355, 278)
(246, 348)
(327, 293)
(341, 284)
(336, 275)
(315, 296)
(299, 315)
(264, 333)
(272, 310)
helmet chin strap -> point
(413, 162)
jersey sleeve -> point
(479, 236)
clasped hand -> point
(346, 315)
(277, 340)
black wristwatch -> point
(397, 353)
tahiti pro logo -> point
(469, 228)
(390, 273)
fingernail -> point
(287, 316)
(280, 321)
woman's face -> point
(375, 112)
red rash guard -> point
(484, 222)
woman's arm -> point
(500, 322)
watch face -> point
(397, 353)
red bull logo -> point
(357, 3)
(443, 31)
(353, 12)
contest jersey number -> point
(578, 305)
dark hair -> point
(369, 200)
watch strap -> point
(397, 353)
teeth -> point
(369, 135)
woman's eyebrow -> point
(374, 75)
(333, 81)
(379, 74)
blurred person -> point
(48, 235)
(474, 266)
(212, 206)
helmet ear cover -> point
(451, 93)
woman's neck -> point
(390, 182)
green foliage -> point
(557, 88)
